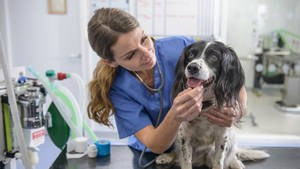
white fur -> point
(204, 71)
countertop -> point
(124, 157)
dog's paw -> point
(164, 159)
(237, 164)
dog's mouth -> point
(194, 82)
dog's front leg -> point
(221, 139)
(184, 148)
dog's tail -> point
(245, 154)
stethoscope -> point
(160, 109)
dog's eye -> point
(190, 56)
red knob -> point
(61, 76)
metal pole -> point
(13, 107)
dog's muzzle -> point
(197, 76)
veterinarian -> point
(133, 81)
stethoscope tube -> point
(160, 111)
(157, 122)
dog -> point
(217, 68)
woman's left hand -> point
(227, 116)
(224, 117)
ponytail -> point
(100, 107)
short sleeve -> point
(129, 115)
(188, 40)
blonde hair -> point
(104, 28)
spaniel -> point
(217, 68)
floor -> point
(264, 125)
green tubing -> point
(69, 104)
(290, 33)
(53, 89)
(283, 34)
(89, 131)
(67, 101)
(7, 127)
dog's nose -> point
(193, 68)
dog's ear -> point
(180, 80)
(231, 78)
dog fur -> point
(198, 142)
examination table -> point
(124, 157)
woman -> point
(132, 66)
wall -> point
(4, 29)
(42, 40)
(45, 41)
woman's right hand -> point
(187, 104)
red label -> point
(38, 134)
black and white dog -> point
(198, 142)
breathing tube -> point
(67, 100)
(72, 107)
(67, 104)
(53, 92)
(82, 94)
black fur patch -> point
(222, 147)
(206, 104)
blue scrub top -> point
(135, 107)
